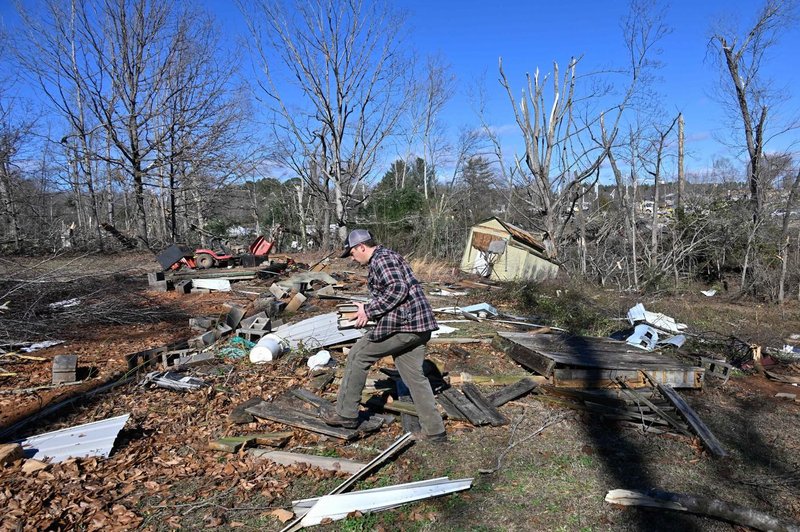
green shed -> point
(504, 252)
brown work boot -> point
(433, 438)
(330, 417)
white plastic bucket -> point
(268, 349)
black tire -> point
(204, 261)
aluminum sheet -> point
(316, 332)
(91, 439)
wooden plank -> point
(459, 351)
(596, 378)
(401, 408)
(472, 392)
(711, 442)
(689, 377)
(494, 380)
(670, 418)
(645, 414)
(295, 303)
(239, 415)
(703, 506)
(232, 444)
(281, 413)
(450, 409)
(444, 340)
(323, 462)
(465, 406)
(511, 392)
(525, 357)
(321, 381)
(311, 398)
(585, 351)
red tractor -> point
(176, 257)
(208, 258)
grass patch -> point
(570, 307)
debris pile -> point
(232, 406)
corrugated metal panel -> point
(339, 506)
(91, 439)
(319, 331)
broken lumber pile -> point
(592, 362)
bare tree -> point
(10, 137)
(346, 87)
(658, 144)
(626, 196)
(566, 141)
(435, 91)
(140, 88)
(748, 93)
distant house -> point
(504, 252)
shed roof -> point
(518, 234)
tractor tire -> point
(204, 261)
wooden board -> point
(450, 409)
(711, 442)
(323, 462)
(232, 444)
(465, 406)
(671, 419)
(511, 392)
(286, 414)
(592, 352)
(472, 392)
(590, 362)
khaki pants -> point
(408, 351)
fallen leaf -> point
(282, 515)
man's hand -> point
(361, 315)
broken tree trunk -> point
(701, 506)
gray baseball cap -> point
(356, 237)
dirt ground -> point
(553, 465)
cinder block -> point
(159, 286)
(202, 323)
(155, 277)
(254, 321)
(65, 368)
(252, 335)
(169, 358)
(221, 330)
(235, 315)
(184, 286)
(195, 360)
(199, 342)
(277, 291)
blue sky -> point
(470, 35)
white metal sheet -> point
(338, 506)
(91, 439)
(316, 332)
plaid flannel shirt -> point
(398, 302)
